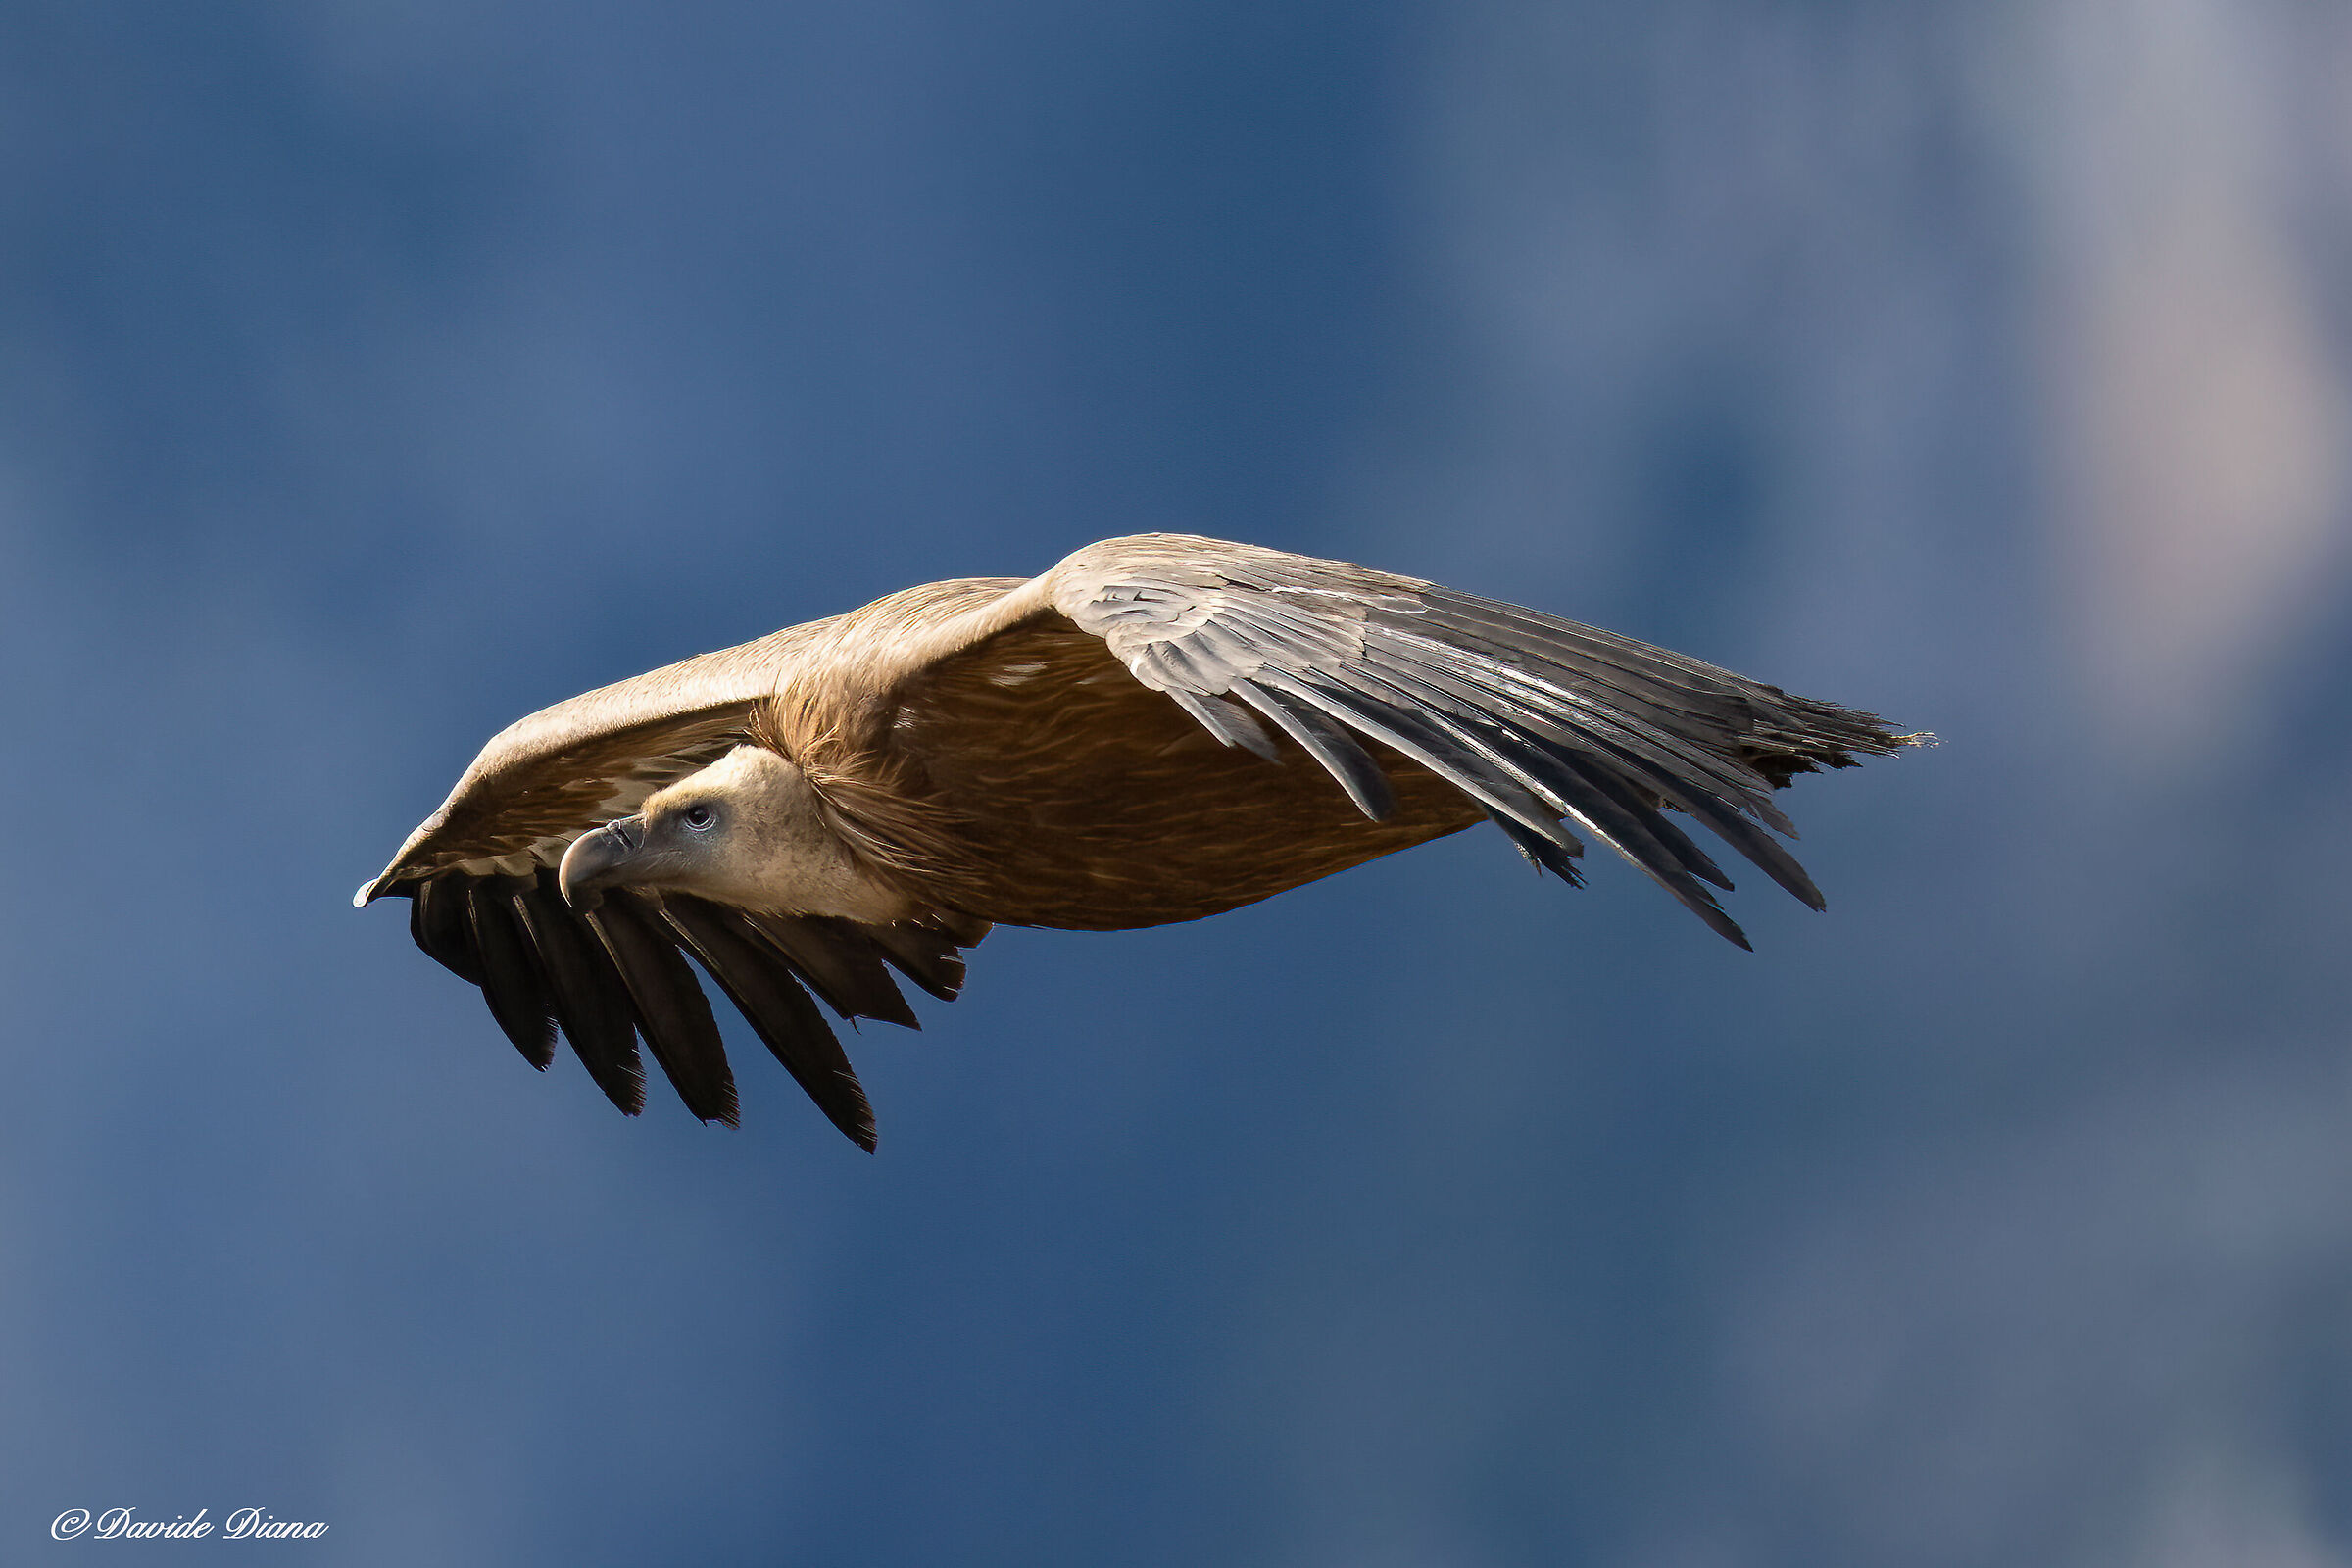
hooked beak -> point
(598, 860)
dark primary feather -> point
(517, 997)
(591, 1002)
(542, 965)
(763, 989)
(671, 1012)
(443, 927)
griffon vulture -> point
(1159, 728)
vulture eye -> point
(698, 816)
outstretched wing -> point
(1424, 706)
(481, 876)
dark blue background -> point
(372, 375)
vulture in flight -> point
(1159, 728)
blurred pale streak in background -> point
(2199, 403)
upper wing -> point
(480, 872)
(544, 780)
(1389, 684)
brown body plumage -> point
(1160, 729)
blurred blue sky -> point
(374, 374)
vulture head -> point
(747, 831)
